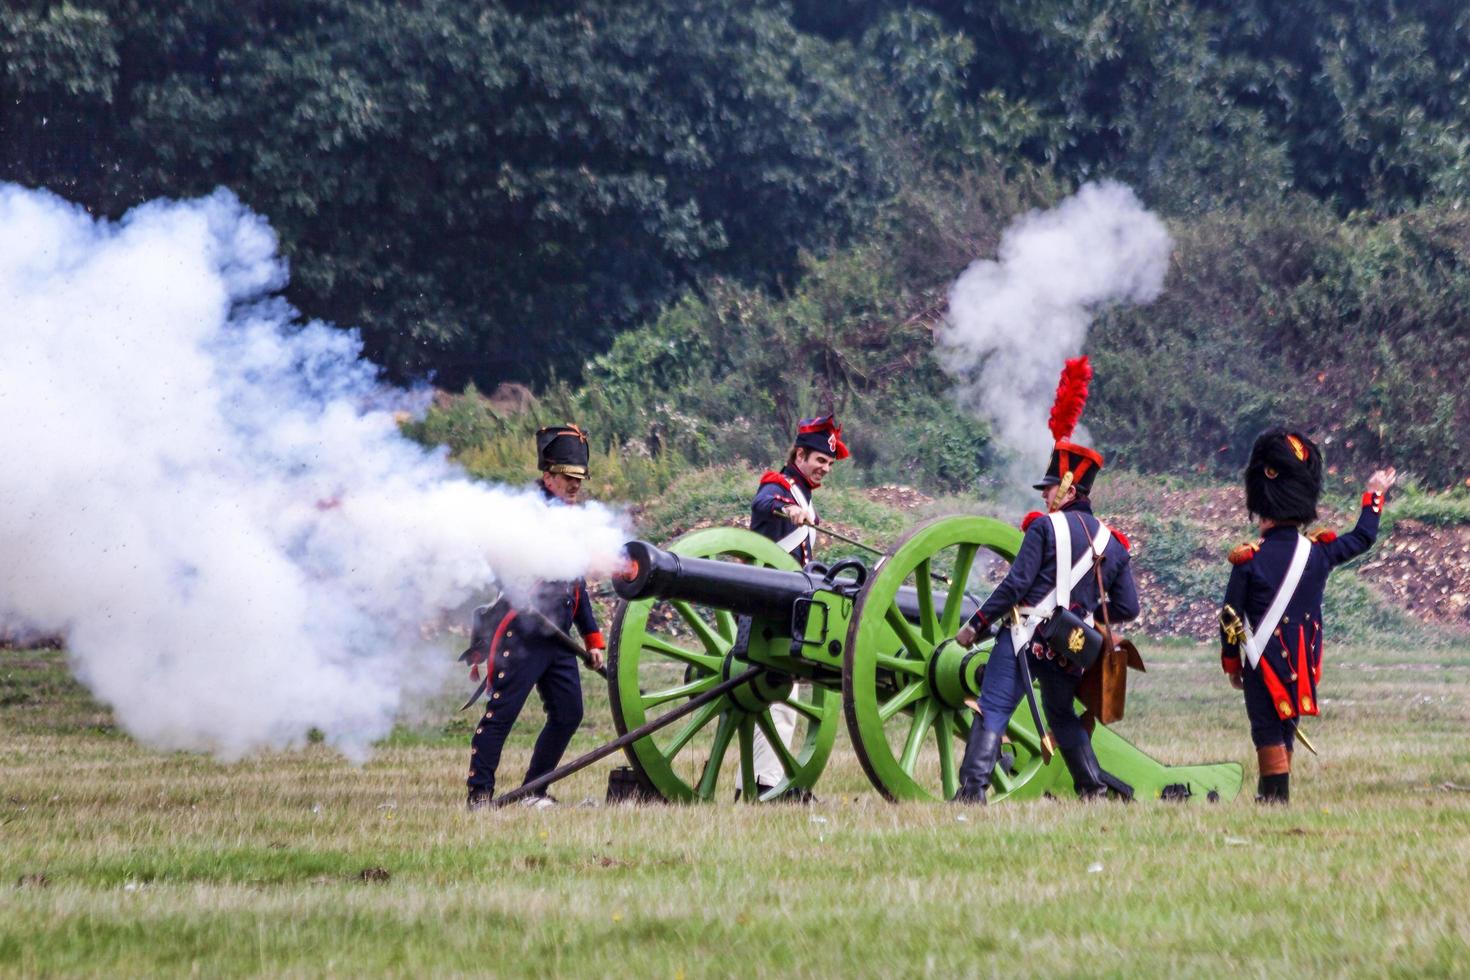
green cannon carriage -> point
(868, 647)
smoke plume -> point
(1015, 319)
(210, 499)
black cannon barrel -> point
(748, 590)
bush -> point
(1410, 501)
(1355, 331)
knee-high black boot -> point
(1274, 789)
(1087, 775)
(981, 752)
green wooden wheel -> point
(908, 726)
(661, 653)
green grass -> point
(122, 861)
(1409, 501)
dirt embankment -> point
(1424, 570)
(1421, 568)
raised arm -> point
(1355, 542)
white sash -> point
(808, 530)
(1254, 646)
(1067, 579)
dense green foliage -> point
(714, 217)
(1356, 330)
(487, 192)
(435, 166)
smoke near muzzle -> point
(210, 499)
(1013, 320)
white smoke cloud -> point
(1015, 319)
(211, 500)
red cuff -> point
(595, 641)
(1231, 665)
(1373, 501)
(979, 621)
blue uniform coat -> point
(1033, 574)
(1291, 662)
(771, 497)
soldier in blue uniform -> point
(783, 511)
(520, 656)
(1271, 619)
(1029, 595)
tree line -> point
(500, 190)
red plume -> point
(1066, 411)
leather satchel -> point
(1103, 689)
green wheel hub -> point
(662, 653)
(905, 690)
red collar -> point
(788, 479)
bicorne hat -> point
(823, 435)
(1283, 479)
(562, 449)
(1071, 462)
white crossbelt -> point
(1067, 580)
(808, 530)
(1254, 645)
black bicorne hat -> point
(562, 449)
(823, 435)
(1283, 479)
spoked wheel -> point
(905, 689)
(664, 652)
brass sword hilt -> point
(1232, 625)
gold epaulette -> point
(1323, 535)
(1243, 553)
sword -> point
(476, 696)
(1048, 744)
(1306, 741)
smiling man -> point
(783, 511)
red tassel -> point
(1066, 411)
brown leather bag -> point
(1103, 689)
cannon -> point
(868, 647)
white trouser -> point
(768, 768)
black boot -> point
(1274, 789)
(1087, 775)
(479, 799)
(981, 753)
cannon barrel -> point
(749, 590)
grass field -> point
(122, 861)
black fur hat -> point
(1284, 477)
